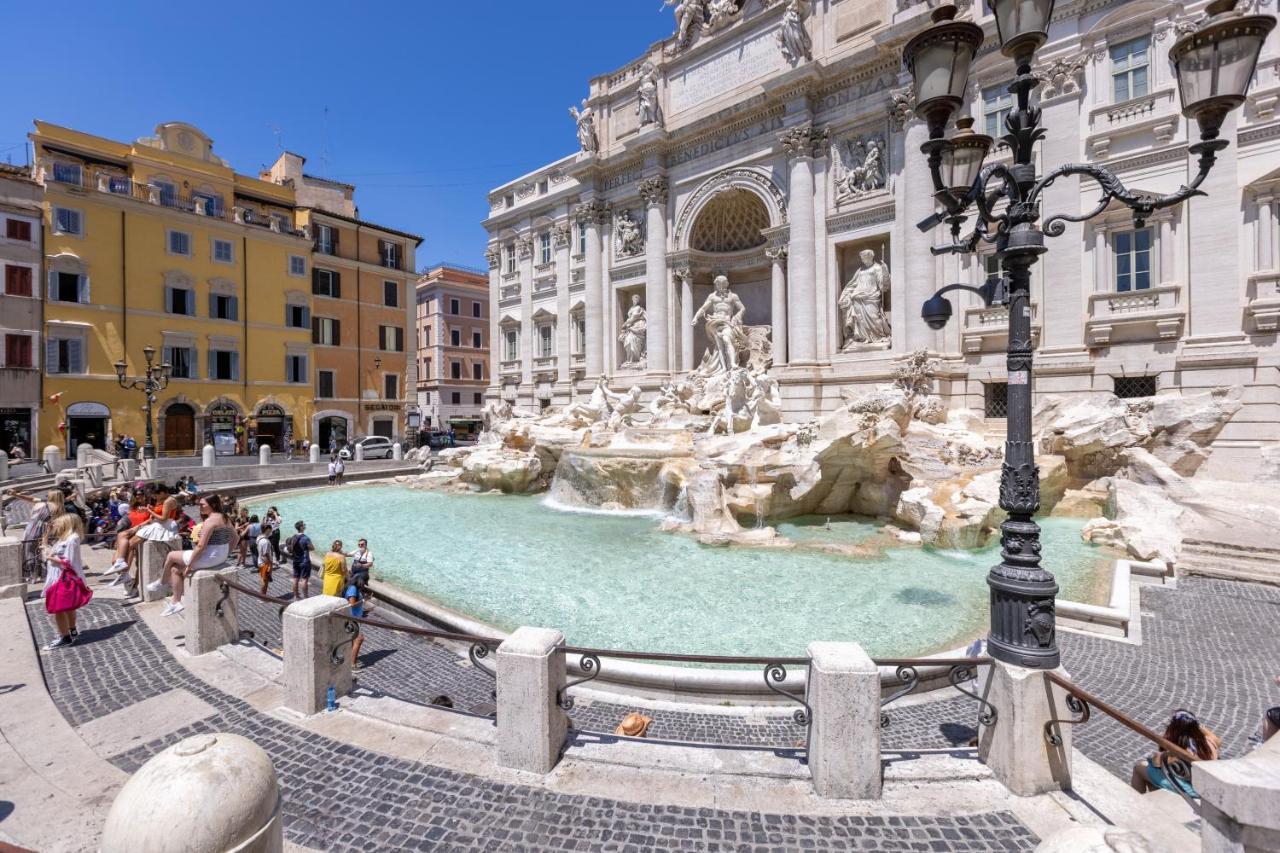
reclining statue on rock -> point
(625, 408)
(599, 405)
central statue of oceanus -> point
(730, 343)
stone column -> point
(1015, 746)
(1238, 801)
(685, 275)
(592, 213)
(1265, 255)
(531, 725)
(801, 143)
(207, 628)
(11, 585)
(1101, 259)
(1166, 271)
(493, 255)
(561, 237)
(825, 298)
(657, 288)
(844, 738)
(778, 302)
(311, 633)
(150, 566)
(528, 334)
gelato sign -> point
(725, 70)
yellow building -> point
(161, 243)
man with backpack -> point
(299, 547)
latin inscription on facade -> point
(718, 143)
(724, 71)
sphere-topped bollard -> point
(206, 794)
(207, 456)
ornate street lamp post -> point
(156, 378)
(1214, 65)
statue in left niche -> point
(629, 239)
(647, 96)
(586, 119)
(633, 335)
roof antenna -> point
(275, 128)
(324, 143)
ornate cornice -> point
(861, 218)
(803, 141)
(628, 272)
(654, 191)
(524, 247)
(561, 235)
(1257, 134)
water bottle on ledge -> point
(331, 698)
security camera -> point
(936, 312)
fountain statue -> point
(730, 343)
(633, 336)
(862, 304)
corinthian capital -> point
(494, 256)
(654, 191)
(803, 141)
(594, 211)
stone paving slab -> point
(142, 722)
(341, 797)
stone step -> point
(1230, 549)
(1256, 571)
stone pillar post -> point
(1015, 746)
(52, 457)
(801, 143)
(150, 566)
(311, 634)
(531, 726)
(844, 738)
(1238, 801)
(778, 302)
(232, 779)
(11, 585)
(4, 466)
(207, 629)
(685, 275)
(207, 456)
(359, 453)
(313, 455)
(657, 288)
(397, 452)
(592, 213)
(264, 454)
(528, 333)
(561, 237)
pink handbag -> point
(68, 592)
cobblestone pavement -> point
(338, 797)
(1208, 646)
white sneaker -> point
(155, 586)
(116, 567)
(118, 579)
(172, 609)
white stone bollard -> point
(52, 458)
(844, 736)
(207, 794)
(4, 466)
(359, 452)
(11, 585)
(531, 726)
(313, 455)
(129, 470)
(264, 454)
(150, 567)
(1238, 799)
(207, 456)
(397, 452)
(311, 634)
(207, 630)
(83, 450)
(1086, 839)
(1015, 747)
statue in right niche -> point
(863, 320)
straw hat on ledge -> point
(633, 725)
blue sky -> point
(424, 106)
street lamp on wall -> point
(1214, 65)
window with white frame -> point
(224, 365)
(223, 251)
(179, 243)
(182, 362)
(64, 354)
(390, 254)
(455, 370)
(511, 349)
(223, 306)
(1132, 255)
(477, 371)
(582, 238)
(326, 331)
(997, 103)
(1130, 69)
(545, 342)
(295, 368)
(297, 265)
(68, 287)
(544, 247)
(455, 307)
(180, 300)
(990, 267)
(477, 340)
(297, 316)
(326, 283)
(579, 328)
(509, 257)
(391, 338)
(68, 221)
(325, 243)
(475, 309)
(455, 337)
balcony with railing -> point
(1154, 313)
(987, 329)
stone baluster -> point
(657, 280)
(801, 144)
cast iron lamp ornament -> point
(156, 378)
(1214, 65)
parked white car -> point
(375, 447)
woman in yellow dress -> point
(334, 574)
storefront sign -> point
(88, 410)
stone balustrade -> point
(986, 328)
(1264, 301)
(1156, 313)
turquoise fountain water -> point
(620, 582)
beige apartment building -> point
(453, 347)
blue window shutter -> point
(53, 286)
(306, 316)
(75, 356)
(213, 305)
(51, 355)
(235, 365)
(233, 307)
(166, 355)
(212, 360)
(84, 288)
(193, 357)
(168, 300)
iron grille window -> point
(996, 399)
(1135, 386)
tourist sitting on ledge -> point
(1185, 731)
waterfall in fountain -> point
(753, 473)
(680, 510)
